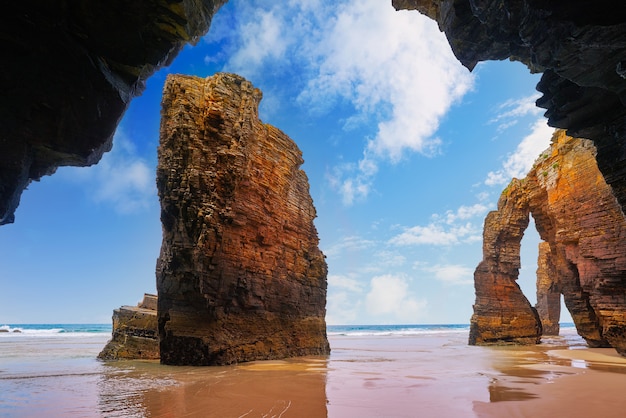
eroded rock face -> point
(69, 71)
(548, 291)
(578, 217)
(502, 314)
(579, 46)
(240, 276)
(135, 332)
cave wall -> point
(240, 276)
(70, 69)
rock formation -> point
(502, 314)
(240, 276)
(135, 332)
(69, 70)
(579, 46)
(548, 292)
(583, 257)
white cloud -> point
(341, 308)
(347, 244)
(373, 56)
(452, 273)
(121, 178)
(517, 108)
(465, 212)
(363, 53)
(263, 39)
(353, 181)
(451, 228)
(347, 282)
(389, 259)
(390, 296)
(521, 161)
(512, 110)
(436, 234)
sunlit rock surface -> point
(69, 70)
(548, 291)
(577, 215)
(135, 334)
(240, 276)
(580, 47)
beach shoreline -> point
(395, 375)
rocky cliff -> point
(502, 314)
(69, 70)
(135, 332)
(240, 276)
(583, 257)
(579, 46)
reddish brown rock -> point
(240, 276)
(135, 332)
(548, 292)
(502, 314)
(578, 216)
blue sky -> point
(406, 151)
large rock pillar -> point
(240, 276)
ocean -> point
(51, 370)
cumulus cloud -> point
(342, 308)
(521, 161)
(509, 112)
(452, 273)
(263, 39)
(451, 228)
(348, 244)
(121, 179)
(363, 53)
(353, 181)
(464, 213)
(389, 296)
(436, 234)
(373, 56)
(347, 282)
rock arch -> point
(582, 256)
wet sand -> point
(372, 376)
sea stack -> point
(240, 276)
(135, 333)
(583, 256)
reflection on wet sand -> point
(553, 379)
(294, 387)
(436, 375)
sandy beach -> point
(432, 375)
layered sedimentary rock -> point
(240, 276)
(579, 46)
(69, 70)
(135, 332)
(584, 257)
(548, 291)
(502, 314)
